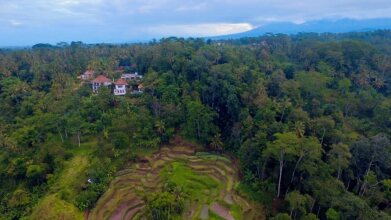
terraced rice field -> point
(209, 179)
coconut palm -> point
(160, 127)
(299, 128)
(216, 143)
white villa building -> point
(100, 81)
(120, 87)
(131, 76)
(129, 82)
(87, 75)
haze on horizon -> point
(25, 22)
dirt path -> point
(204, 212)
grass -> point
(210, 156)
(52, 207)
(143, 151)
(72, 177)
(214, 216)
(236, 212)
(84, 149)
(199, 187)
(58, 203)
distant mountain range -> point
(317, 26)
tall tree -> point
(282, 150)
(339, 157)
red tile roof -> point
(121, 81)
(101, 79)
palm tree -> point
(283, 106)
(378, 83)
(160, 127)
(216, 143)
(299, 129)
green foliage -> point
(282, 150)
(260, 191)
(281, 216)
(19, 198)
(164, 205)
(298, 202)
(199, 121)
(310, 216)
(120, 140)
(190, 183)
(99, 175)
(305, 114)
(52, 207)
(332, 214)
(339, 157)
(35, 172)
(86, 199)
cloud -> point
(145, 19)
(192, 7)
(201, 30)
(15, 23)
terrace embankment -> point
(209, 179)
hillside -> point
(271, 127)
(206, 183)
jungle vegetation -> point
(307, 116)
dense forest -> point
(307, 116)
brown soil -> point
(124, 207)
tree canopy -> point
(308, 117)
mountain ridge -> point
(314, 26)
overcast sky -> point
(26, 22)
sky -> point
(27, 22)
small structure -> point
(100, 81)
(120, 87)
(131, 76)
(87, 75)
(140, 88)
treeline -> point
(308, 116)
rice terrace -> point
(207, 182)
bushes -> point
(282, 216)
(19, 198)
(164, 205)
(100, 174)
(86, 199)
(36, 173)
(120, 140)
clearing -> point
(209, 179)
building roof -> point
(140, 86)
(101, 79)
(130, 75)
(121, 81)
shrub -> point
(163, 205)
(19, 198)
(86, 199)
(120, 140)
